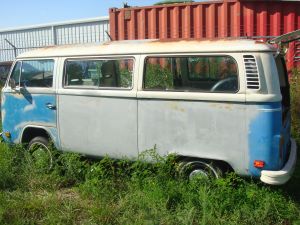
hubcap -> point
(198, 173)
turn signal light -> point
(259, 164)
(7, 134)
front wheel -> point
(40, 153)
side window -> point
(34, 73)
(37, 73)
(15, 76)
(106, 73)
(194, 73)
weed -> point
(107, 191)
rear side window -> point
(193, 73)
(35, 73)
(99, 73)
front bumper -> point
(281, 176)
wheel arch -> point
(29, 132)
(223, 165)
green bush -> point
(11, 165)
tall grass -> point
(79, 191)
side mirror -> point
(12, 84)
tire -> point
(193, 169)
(41, 154)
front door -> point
(29, 99)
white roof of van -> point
(150, 46)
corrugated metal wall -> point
(73, 32)
(214, 19)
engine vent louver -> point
(251, 72)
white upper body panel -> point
(269, 90)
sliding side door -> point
(98, 107)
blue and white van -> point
(217, 104)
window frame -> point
(12, 71)
(188, 56)
(78, 87)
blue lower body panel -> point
(265, 137)
(20, 110)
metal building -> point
(18, 40)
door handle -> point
(50, 106)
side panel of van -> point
(270, 120)
(98, 126)
(190, 122)
(264, 136)
(191, 128)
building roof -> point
(55, 24)
(151, 46)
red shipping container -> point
(260, 19)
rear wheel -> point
(198, 168)
(41, 154)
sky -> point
(19, 13)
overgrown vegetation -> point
(81, 191)
(295, 101)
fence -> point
(15, 41)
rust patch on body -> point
(221, 106)
(176, 107)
